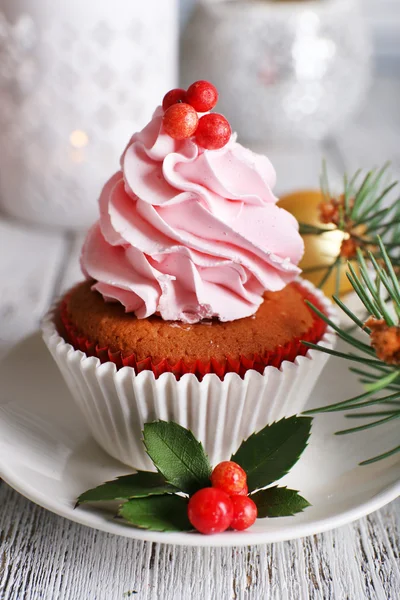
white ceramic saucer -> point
(47, 454)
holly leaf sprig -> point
(158, 501)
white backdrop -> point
(383, 16)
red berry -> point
(180, 121)
(244, 512)
(173, 97)
(230, 477)
(213, 131)
(244, 491)
(210, 510)
(202, 95)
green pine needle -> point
(369, 425)
(367, 415)
(380, 457)
(386, 400)
(328, 272)
(354, 403)
(354, 357)
(341, 333)
(383, 383)
(306, 229)
(351, 315)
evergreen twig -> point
(376, 274)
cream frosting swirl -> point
(190, 233)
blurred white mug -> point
(76, 79)
(284, 69)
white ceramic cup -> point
(283, 69)
(76, 79)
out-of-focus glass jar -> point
(77, 77)
(283, 69)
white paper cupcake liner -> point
(117, 403)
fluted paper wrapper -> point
(221, 413)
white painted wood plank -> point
(346, 581)
(30, 260)
(45, 556)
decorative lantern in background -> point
(283, 69)
(76, 79)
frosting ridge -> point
(190, 233)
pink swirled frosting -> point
(190, 233)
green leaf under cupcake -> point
(158, 501)
(177, 455)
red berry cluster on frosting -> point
(181, 121)
(225, 504)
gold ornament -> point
(320, 250)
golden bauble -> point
(320, 250)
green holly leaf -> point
(157, 513)
(268, 455)
(139, 485)
(178, 456)
(279, 502)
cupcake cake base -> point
(269, 337)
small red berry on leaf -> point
(180, 121)
(202, 95)
(213, 131)
(210, 510)
(244, 512)
(229, 477)
(173, 97)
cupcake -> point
(192, 309)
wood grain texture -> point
(45, 557)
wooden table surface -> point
(43, 556)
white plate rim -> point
(227, 539)
(97, 520)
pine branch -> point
(381, 356)
(364, 210)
